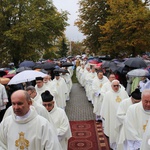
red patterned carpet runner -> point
(87, 135)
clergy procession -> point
(36, 117)
(33, 103)
(121, 103)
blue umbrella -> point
(27, 63)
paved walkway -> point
(78, 107)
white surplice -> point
(96, 88)
(121, 113)
(88, 86)
(3, 97)
(109, 108)
(38, 98)
(146, 138)
(135, 124)
(68, 81)
(62, 125)
(62, 90)
(42, 89)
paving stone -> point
(78, 107)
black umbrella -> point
(69, 57)
(60, 70)
(66, 64)
(38, 66)
(110, 64)
(27, 63)
(105, 64)
(135, 62)
(48, 66)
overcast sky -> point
(71, 6)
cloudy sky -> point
(71, 6)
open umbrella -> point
(60, 70)
(27, 63)
(138, 73)
(110, 64)
(78, 56)
(135, 62)
(20, 69)
(26, 76)
(48, 66)
(66, 64)
(9, 75)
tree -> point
(28, 27)
(62, 48)
(127, 28)
(92, 13)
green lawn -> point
(74, 79)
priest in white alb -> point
(136, 121)
(25, 129)
(110, 104)
(66, 76)
(88, 86)
(42, 87)
(59, 118)
(97, 84)
(121, 113)
(61, 87)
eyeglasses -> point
(31, 93)
(116, 85)
(49, 105)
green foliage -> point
(74, 79)
(92, 14)
(127, 28)
(77, 48)
(28, 28)
(63, 48)
(117, 28)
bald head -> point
(21, 102)
(146, 99)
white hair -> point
(145, 92)
(115, 81)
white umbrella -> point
(78, 56)
(26, 76)
(138, 73)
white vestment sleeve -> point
(133, 145)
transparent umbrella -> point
(26, 76)
(138, 73)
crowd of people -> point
(33, 114)
(124, 113)
(36, 118)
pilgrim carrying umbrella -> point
(26, 76)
